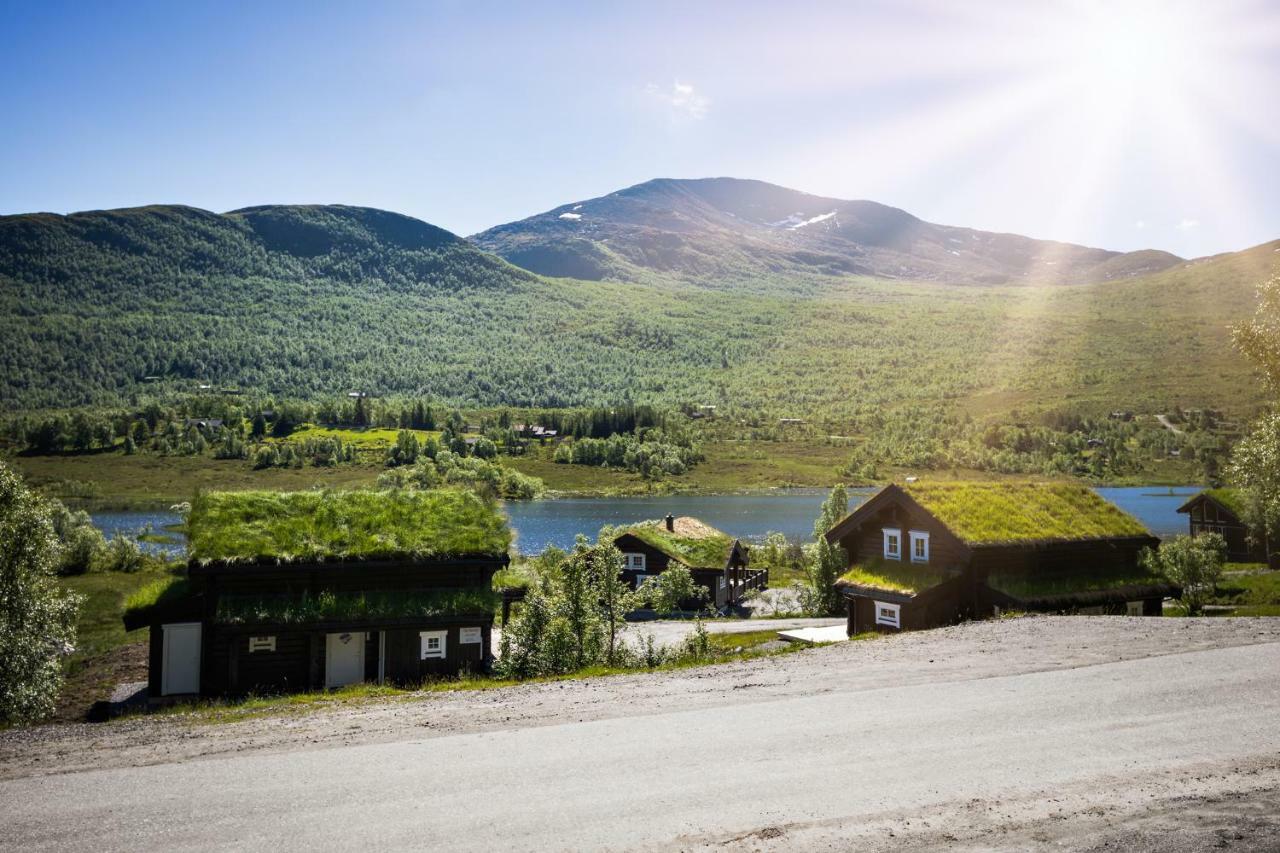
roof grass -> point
(694, 543)
(893, 576)
(1008, 513)
(162, 591)
(1043, 586)
(338, 607)
(344, 525)
(1229, 498)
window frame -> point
(895, 533)
(262, 644)
(424, 637)
(891, 621)
(633, 561)
(919, 536)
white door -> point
(180, 670)
(343, 659)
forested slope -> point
(311, 302)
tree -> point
(829, 561)
(1193, 563)
(666, 592)
(1255, 471)
(1255, 462)
(617, 599)
(37, 620)
(1259, 339)
(259, 428)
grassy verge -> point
(1252, 593)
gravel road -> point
(1035, 733)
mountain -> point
(720, 230)
(114, 307)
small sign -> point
(262, 644)
(469, 635)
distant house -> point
(1221, 511)
(932, 554)
(311, 590)
(204, 423)
(717, 562)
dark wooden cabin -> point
(385, 587)
(933, 554)
(716, 561)
(1221, 511)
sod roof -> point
(1011, 513)
(339, 525)
(1229, 498)
(694, 543)
(893, 576)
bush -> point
(1193, 563)
(123, 554)
(80, 542)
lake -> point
(749, 517)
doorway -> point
(344, 659)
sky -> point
(1126, 124)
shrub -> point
(1193, 563)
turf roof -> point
(694, 543)
(1009, 513)
(1229, 498)
(336, 525)
(894, 576)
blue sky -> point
(1124, 125)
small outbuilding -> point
(310, 590)
(717, 562)
(929, 554)
(1221, 511)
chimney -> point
(671, 523)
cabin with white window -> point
(717, 562)
(928, 554)
(302, 591)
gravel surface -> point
(1046, 732)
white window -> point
(722, 582)
(633, 562)
(919, 546)
(469, 635)
(262, 644)
(433, 644)
(1133, 608)
(640, 579)
(888, 614)
(892, 544)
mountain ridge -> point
(707, 227)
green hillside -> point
(314, 301)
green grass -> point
(99, 627)
(1024, 586)
(368, 437)
(895, 576)
(703, 547)
(1229, 498)
(329, 606)
(996, 513)
(321, 525)
(1253, 590)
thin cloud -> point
(1140, 224)
(682, 98)
(1187, 224)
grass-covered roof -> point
(694, 543)
(1009, 513)
(344, 525)
(894, 576)
(1031, 586)
(1229, 498)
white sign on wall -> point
(262, 644)
(469, 635)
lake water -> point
(749, 517)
